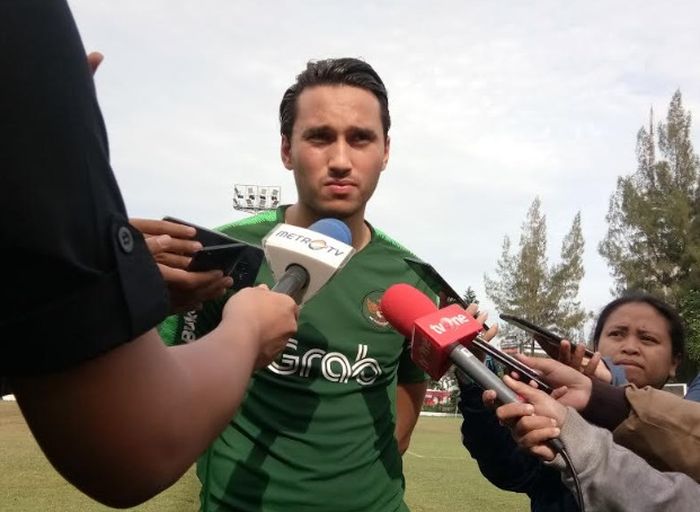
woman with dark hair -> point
(642, 334)
(641, 340)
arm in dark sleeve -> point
(492, 446)
(80, 281)
(607, 406)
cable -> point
(558, 446)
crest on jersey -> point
(371, 311)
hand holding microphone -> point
(535, 425)
(438, 339)
(302, 261)
(269, 319)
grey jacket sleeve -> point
(615, 479)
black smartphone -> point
(435, 281)
(217, 257)
(526, 373)
(240, 261)
(541, 334)
(205, 236)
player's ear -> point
(387, 144)
(286, 152)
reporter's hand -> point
(596, 368)
(575, 356)
(177, 251)
(534, 423)
(269, 317)
(473, 310)
(94, 60)
(564, 352)
(171, 245)
(572, 388)
(572, 355)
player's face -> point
(337, 150)
(638, 337)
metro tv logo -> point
(449, 323)
(313, 244)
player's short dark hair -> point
(343, 71)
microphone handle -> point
(293, 282)
(470, 364)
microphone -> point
(438, 337)
(304, 260)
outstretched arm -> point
(126, 425)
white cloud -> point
(492, 103)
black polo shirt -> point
(78, 280)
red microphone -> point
(438, 336)
(433, 332)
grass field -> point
(440, 475)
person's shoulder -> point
(253, 228)
(389, 244)
(418, 272)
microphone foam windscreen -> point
(334, 228)
(402, 305)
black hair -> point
(343, 71)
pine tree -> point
(653, 238)
(470, 296)
(527, 286)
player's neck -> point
(297, 215)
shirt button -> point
(126, 239)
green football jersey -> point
(316, 428)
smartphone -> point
(541, 334)
(240, 261)
(435, 281)
(526, 373)
(216, 257)
(206, 237)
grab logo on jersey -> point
(334, 366)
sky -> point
(492, 104)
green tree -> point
(690, 310)
(653, 238)
(470, 296)
(527, 286)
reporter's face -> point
(637, 337)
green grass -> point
(440, 475)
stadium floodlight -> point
(256, 198)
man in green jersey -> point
(324, 426)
